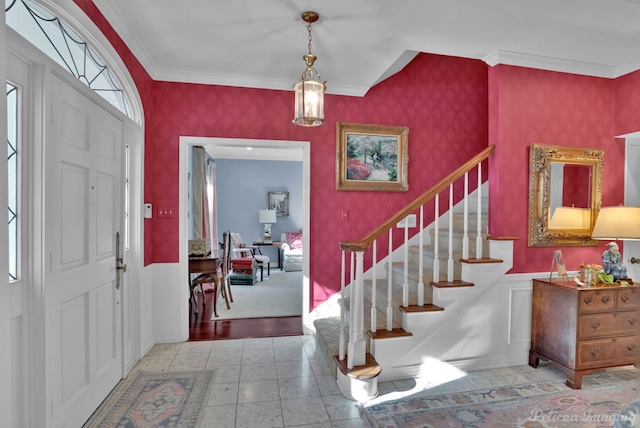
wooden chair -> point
(226, 265)
(218, 279)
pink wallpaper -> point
(446, 114)
(627, 109)
(532, 106)
(453, 107)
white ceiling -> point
(359, 43)
(260, 43)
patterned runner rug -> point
(155, 399)
(546, 404)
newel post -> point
(356, 353)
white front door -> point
(83, 192)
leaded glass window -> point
(65, 47)
(13, 174)
(127, 194)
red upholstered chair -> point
(240, 249)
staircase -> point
(398, 319)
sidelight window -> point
(13, 175)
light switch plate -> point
(148, 211)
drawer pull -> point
(596, 325)
(588, 300)
(625, 298)
(633, 320)
(631, 347)
(605, 299)
(595, 351)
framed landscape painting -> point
(372, 157)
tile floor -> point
(286, 382)
(267, 382)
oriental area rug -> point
(155, 399)
(611, 399)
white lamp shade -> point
(570, 218)
(614, 223)
(267, 216)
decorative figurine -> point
(612, 262)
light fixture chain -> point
(309, 30)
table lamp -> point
(267, 218)
(617, 223)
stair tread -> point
(386, 334)
(424, 308)
(368, 370)
(451, 284)
(483, 260)
(502, 238)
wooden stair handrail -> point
(363, 244)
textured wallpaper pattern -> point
(453, 107)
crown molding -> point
(549, 64)
(120, 26)
(628, 67)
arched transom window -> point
(67, 48)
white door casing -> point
(632, 198)
(83, 193)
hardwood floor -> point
(201, 327)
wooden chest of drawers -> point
(583, 329)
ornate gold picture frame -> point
(565, 190)
(371, 157)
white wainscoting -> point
(170, 304)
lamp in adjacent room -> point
(309, 91)
(267, 218)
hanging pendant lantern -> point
(309, 91)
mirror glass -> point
(564, 195)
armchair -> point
(291, 251)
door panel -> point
(83, 213)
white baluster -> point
(352, 277)
(342, 296)
(389, 284)
(465, 237)
(450, 260)
(479, 235)
(374, 323)
(420, 260)
(436, 239)
(405, 277)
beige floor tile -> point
(255, 372)
(264, 414)
(222, 394)
(219, 417)
(256, 391)
(298, 387)
(226, 374)
(301, 411)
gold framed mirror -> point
(565, 191)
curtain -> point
(204, 197)
(213, 204)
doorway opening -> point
(232, 148)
